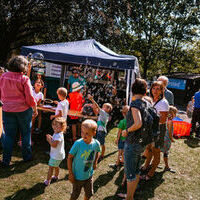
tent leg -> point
(62, 78)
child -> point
(190, 107)
(76, 101)
(82, 160)
(62, 106)
(102, 123)
(120, 139)
(57, 153)
(169, 136)
(38, 95)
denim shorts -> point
(132, 160)
(54, 163)
(121, 144)
(101, 135)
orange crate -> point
(181, 128)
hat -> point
(40, 71)
(76, 86)
(74, 71)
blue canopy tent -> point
(87, 52)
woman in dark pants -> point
(18, 107)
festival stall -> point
(59, 57)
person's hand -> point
(124, 133)
(71, 177)
(95, 165)
(89, 96)
(35, 113)
(55, 102)
(51, 117)
(116, 141)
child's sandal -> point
(145, 177)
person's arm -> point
(30, 100)
(1, 122)
(94, 102)
(118, 135)
(60, 114)
(137, 118)
(53, 143)
(170, 129)
(96, 160)
(69, 166)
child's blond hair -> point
(172, 110)
(90, 125)
(109, 106)
(62, 122)
(62, 91)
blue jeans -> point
(132, 160)
(14, 122)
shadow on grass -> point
(145, 190)
(110, 154)
(30, 193)
(103, 179)
(192, 142)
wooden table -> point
(70, 112)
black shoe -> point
(3, 165)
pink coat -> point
(16, 92)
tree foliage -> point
(157, 32)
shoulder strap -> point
(156, 102)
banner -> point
(53, 70)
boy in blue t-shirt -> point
(82, 160)
(102, 121)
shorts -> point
(160, 142)
(74, 121)
(121, 144)
(132, 160)
(54, 163)
(101, 135)
(78, 185)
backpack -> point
(149, 132)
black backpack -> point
(149, 132)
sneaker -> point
(168, 169)
(114, 166)
(54, 178)
(46, 183)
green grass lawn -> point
(24, 181)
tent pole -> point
(62, 78)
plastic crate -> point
(181, 128)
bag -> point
(88, 110)
(149, 132)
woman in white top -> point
(162, 107)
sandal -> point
(122, 195)
(54, 178)
(145, 177)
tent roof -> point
(86, 52)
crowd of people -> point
(19, 101)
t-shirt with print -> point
(162, 106)
(84, 156)
(122, 125)
(72, 80)
(38, 96)
(58, 153)
(64, 107)
(102, 121)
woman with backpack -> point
(133, 149)
(162, 107)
